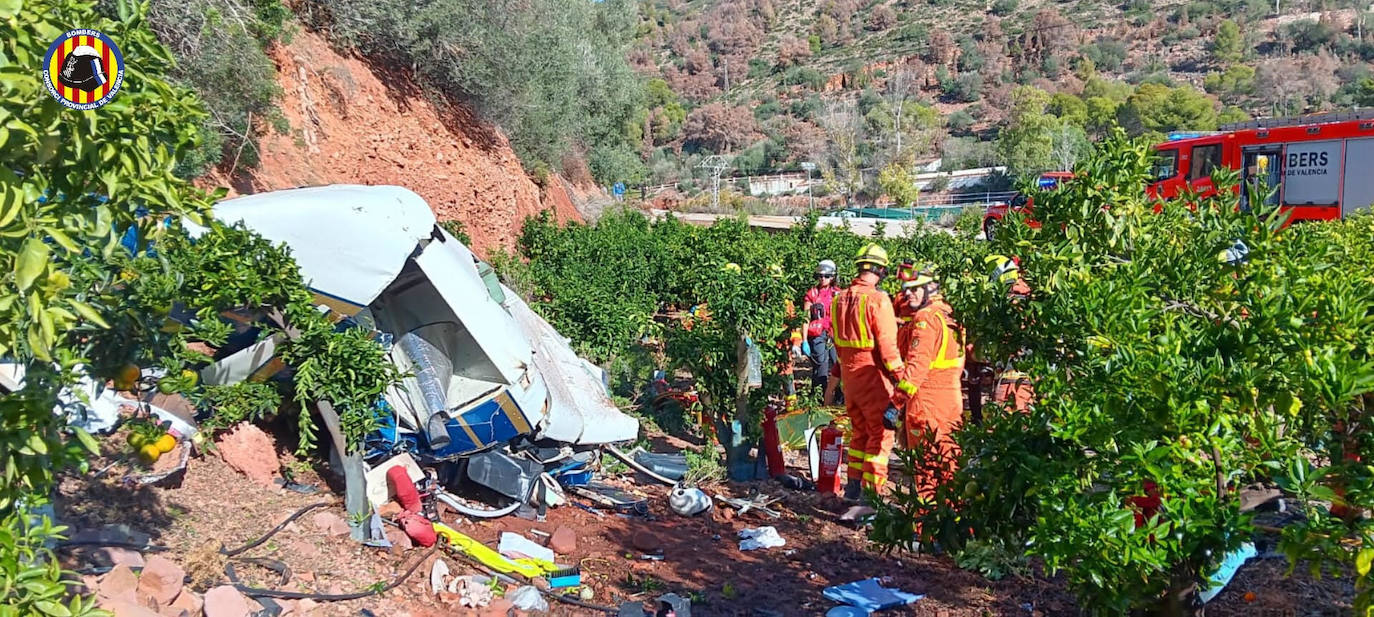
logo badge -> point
(83, 69)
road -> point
(862, 227)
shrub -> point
(552, 73)
(1168, 378)
(804, 76)
(1002, 8)
(959, 122)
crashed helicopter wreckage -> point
(492, 396)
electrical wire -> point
(275, 530)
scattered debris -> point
(673, 605)
(1233, 561)
(516, 546)
(869, 595)
(671, 466)
(437, 575)
(763, 537)
(689, 501)
(528, 598)
(758, 502)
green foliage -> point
(804, 76)
(553, 73)
(458, 230)
(1308, 35)
(1002, 8)
(1026, 142)
(55, 238)
(703, 467)
(1158, 109)
(1237, 79)
(1106, 54)
(219, 47)
(235, 403)
(899, 183)
(1159, 363)
(603, 285)
(1228, 44)
(959, 122)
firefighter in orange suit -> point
(928, 392)
(1014, 387)
(865, 332)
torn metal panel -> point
(580, 409)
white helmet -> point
(825, 268)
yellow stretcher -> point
(526, 567)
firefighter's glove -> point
(892, 418)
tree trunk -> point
(731, 432)
(355, 487)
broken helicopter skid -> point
(492, 397)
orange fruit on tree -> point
(149, 453)
(127, 377)
(165, 443)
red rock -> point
(250, 451)
(161, 580)
(126, 608)
(119, 584)
(225, 601)
(305, 576)
(330, 523)
(646, 541)
(563, 541)
(189, 602)
(303, 548)
(305, 606)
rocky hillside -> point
(346, 121)
(778, 82)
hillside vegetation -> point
(858, 85)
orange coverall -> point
(929, 391)
(865, 332)
(1014, 386)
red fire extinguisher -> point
(831, 446)
(772, 443)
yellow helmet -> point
(1004, 269)
(923, 276)
(871, 254)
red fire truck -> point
(1319, 167)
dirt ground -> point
(213, 505)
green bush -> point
(1164, 368)
(804, 76)
(552, 73)
(1002, 8)
(219, 47)
(959, 122)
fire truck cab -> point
(1318, 167)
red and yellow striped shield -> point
(83, 69)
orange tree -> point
(73, 301)
(1169, 376)
(54, 237)
(612, 285)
